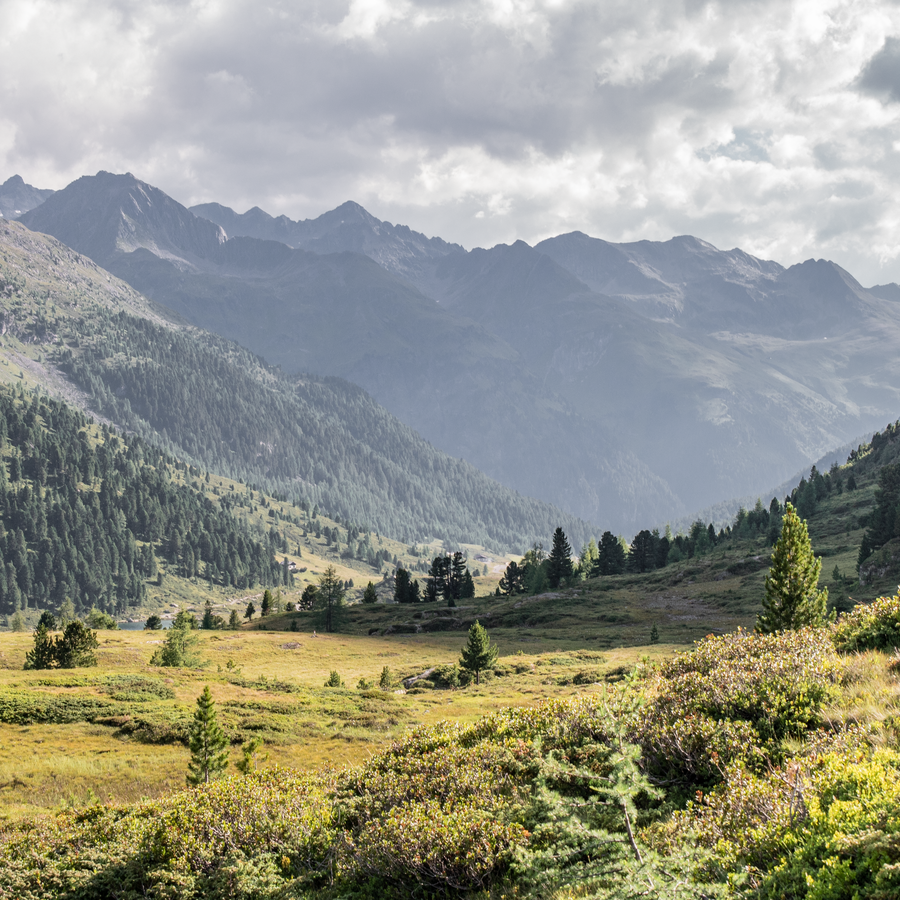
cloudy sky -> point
(766, 124)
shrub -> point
(334, 679)
(872, 626)
(820, 827)
(137, 689)
(736, 696)
(439, 819)
(247, 837)
(100, 620)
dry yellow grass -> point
(50, 766)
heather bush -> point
(872, 626)
(821, 827)
(733, 697)
(242, 837)
(441, 819)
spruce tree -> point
(76, 646)
(369, 595)
(43, 654)
(560, 559)
(511, 582)
(793, 599)
(207, 741)
(329, 598)
(478, 654)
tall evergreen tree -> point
(329, 598)
(401, 585)
(512, 581)
(207, 742)
(457, 574)
(75, 647)
(641, 554)
(560, 559)
(43, 654)
(610, 555)
(478, 654)
(793, 598)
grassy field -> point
(125, 746)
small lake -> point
(139, 626)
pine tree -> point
(43, 654)
(369, 595)
(75, 647)
(793, 598)
(478, 654)
(178, 647)
(249, 759)
(610, 555)
(512, 580)
(560, 559)
(207, 741)
(329, 598)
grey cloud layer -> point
(769, 125)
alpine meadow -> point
(264, 640)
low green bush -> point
(440, 819)
(37, 708)
(739, 696)
(251, 836)
(137, 689)
(823, 827)
(870, 626)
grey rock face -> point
(17, 198)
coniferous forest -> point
(84, 512)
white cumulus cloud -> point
(773, 126)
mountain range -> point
(626, 383)
(17, 198)
(68, 326)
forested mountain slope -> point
(621, 381)
(83, 514)
(212, 402)
(461, 385)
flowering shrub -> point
(821, 827)
(872, 626)
(439, 818)
(200, 843)
(436, 846)
(735, 697)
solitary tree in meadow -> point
(329, 597)
(478, 654)
(793, 598)
(207, 741)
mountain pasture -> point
(115, 733)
